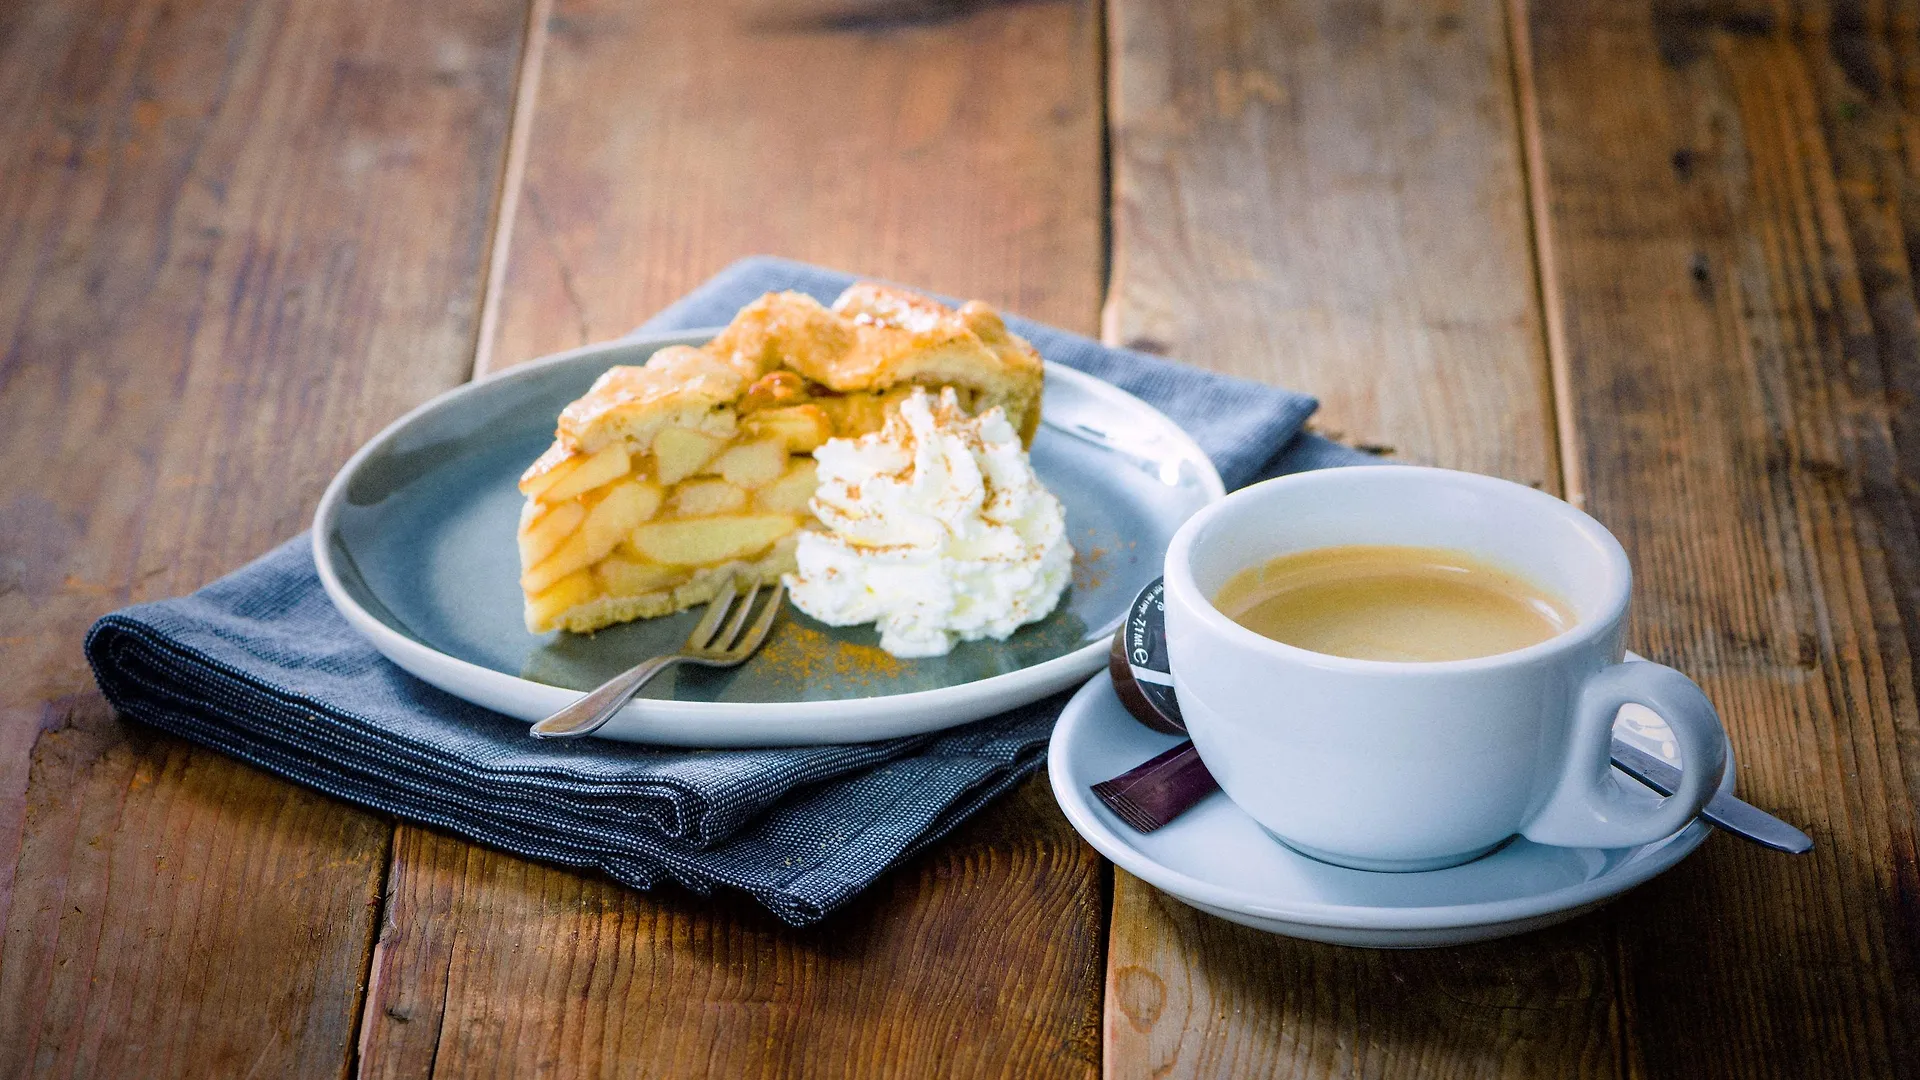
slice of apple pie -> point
(667, 478)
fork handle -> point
(593, 710)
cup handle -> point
(1589, 806)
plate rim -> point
(1078, 808)
(1043, 678)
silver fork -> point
(708, 646)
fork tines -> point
(736, 638)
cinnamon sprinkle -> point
(1088, 573)
(807, 655)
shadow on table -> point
(1567, 1000)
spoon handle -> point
(1742, 819)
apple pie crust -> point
(667, 478)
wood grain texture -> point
(1192, 995)
(979, 958)
(235, 239)
(1331, 197)
(956, 146)
(1734, 265)
(953, 145)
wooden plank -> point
(235, 239)
(956, 146)
(951, 145)
(981, 957)
(1332, 197)
(1732, 262)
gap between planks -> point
(519, 138)
(1533, 169)
(1560, 397)
(506, 207)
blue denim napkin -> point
(259, 665)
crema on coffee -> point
(1382, 602)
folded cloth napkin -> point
(259, 665)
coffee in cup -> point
(1392, 602)
(1366, 716)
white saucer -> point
(1215, 858)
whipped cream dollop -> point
(937, 531)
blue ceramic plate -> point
(414, 541)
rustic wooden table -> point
(1652, 256)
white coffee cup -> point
(1414, 766)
